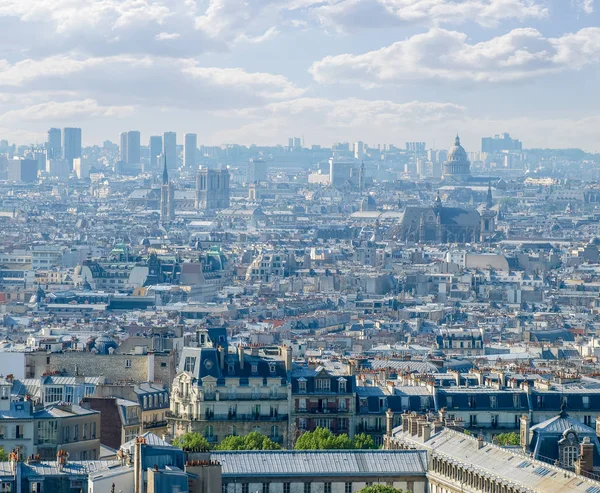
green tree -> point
(364, 441)
(380, 488)
(252, 441)
(507, 439)
(324, 439)
(3, 455)
(192, 442)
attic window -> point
(254, 368)
(272, 368)
(231, 368)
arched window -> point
(569, 455)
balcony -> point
(320, 410)
(246, 417)
(238, 396)
(154, 424)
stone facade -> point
(152, 367)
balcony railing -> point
(320, 410)
(229, 417)
(236, 396)
(154, 424)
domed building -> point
(104, 344)
(457, 167)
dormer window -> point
(302, 385)
(254, 368)
(342, 385)
(323, 384)
(231, 368)
(272, 368)
(189, 364)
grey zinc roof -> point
(495, 461)
(322, 462)
(71, 468)
(560, 424)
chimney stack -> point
(61, 459)
(241, 356)
(426, 431)
(524, 432)
(585, 464)
(479, 441)
(389, 422)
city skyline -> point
(371, 70)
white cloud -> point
(127, 80)
(325, 120)
(230, 19)
(104, 27)
(353, 14)
(586, 6)
(447, 55)
(61, 111)
(167, 36)
(194, 27)
(265, 85)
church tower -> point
(167, 197)
(488, 217)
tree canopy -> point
(252, 441)
(192, 442)
(3, 455)
(324, 439)
(380, 488)
(507, 439)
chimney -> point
(585, 463)
(413, 425)
(457, 377)
(479, 441)
(426, 432)
(405, 418)
(286, 352)
(138, 468)
(389, 422)
(479, 375)
(61, 459)
(501, 379)
(222, 358)
(524, 432)
(150, 363)
(240, 350)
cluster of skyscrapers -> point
(160, 147)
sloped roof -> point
(298, 463)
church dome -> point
(457, 152)
(457, 166)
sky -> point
(260, 71)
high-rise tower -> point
(54, 144)
(190, 143)
(71, 145)
(170, 149)
(156, 144)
